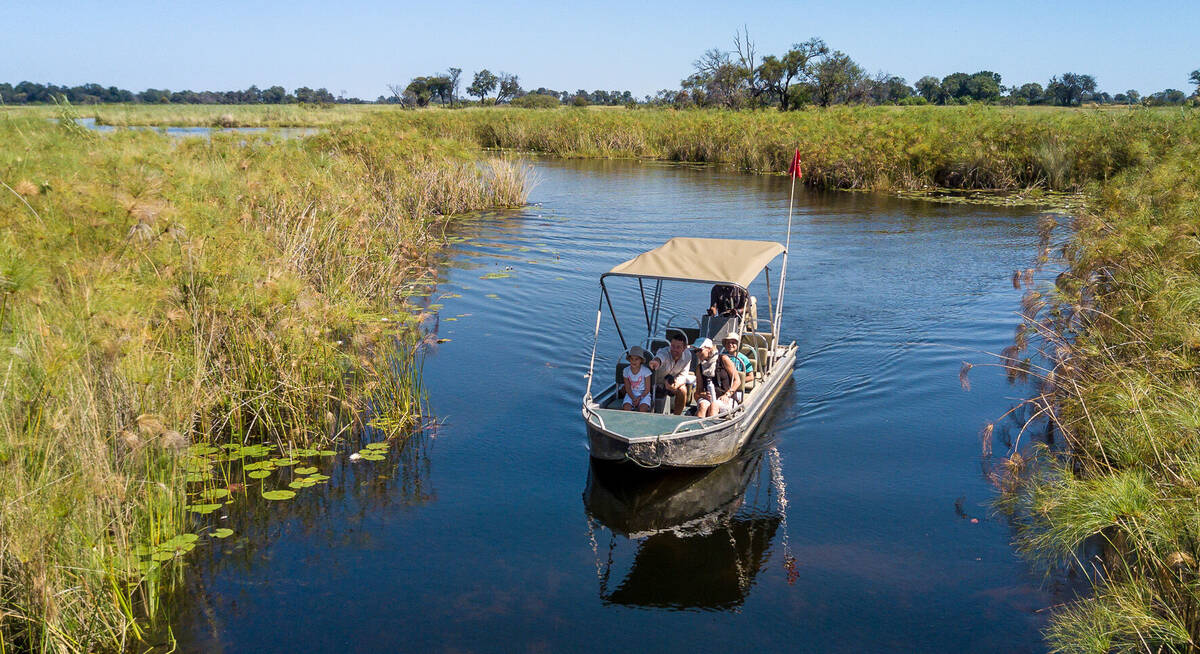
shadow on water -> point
(698, 546)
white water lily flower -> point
(356, 456)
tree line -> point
(34, 93)
(443, 88)
(813, 73)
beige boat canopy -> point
(715, 260)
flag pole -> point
(792, 172)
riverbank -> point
(1125, 395)
(160, 294)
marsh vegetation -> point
(158, 294)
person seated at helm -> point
(741, 362)
(672, 366)
(716, 380)
(637, 382)
(728, 300)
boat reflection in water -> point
(701, 536)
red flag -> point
(794, 169)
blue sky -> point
(361, 46)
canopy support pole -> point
(645, 307)
(614, 315)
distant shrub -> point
(913, 101)
(536, 101)
(579, 100)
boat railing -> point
(695, 421)
(592, 412)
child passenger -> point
(637, 382)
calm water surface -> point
(836, 531)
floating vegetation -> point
(279, 495)
(496, 275)
(492, 296)
(223, 532)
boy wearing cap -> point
(637, 382)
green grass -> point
(156, 293)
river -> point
(858, 519)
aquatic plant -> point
(159, 298)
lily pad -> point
(304, 452)
(301, 483)
(163, 556)
(496, 275)
(197, 477)
(215, 493)
(372, 457)
(142, 550)
(202, 450)
(259, 465)
(202, 509)
(317, 478)
(377, 446)
(326, 453)
(305, 471)
(258, 474)
(283, 462)
(223, 532)
(278, 495)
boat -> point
(659, 438)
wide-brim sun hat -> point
(636, 351)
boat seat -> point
(620, 379)
(715, 327)
(690, 334)
(752, 354)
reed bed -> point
(158, 294)
(202, 115)
(879, 148)
(1122, 500)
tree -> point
(454, 74)
(718, 80)
(484, 83)
(1194, 78)
(837, 79)
(778, 74)
(930, 88)
(510, 87)
(887, 89)
(1031, 93)
(984, 86)
(954, 86)
(1071, 88)
(1133, 97)
(274, 95)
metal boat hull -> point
(699, 448)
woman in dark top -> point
(716, 379)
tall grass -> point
(1123, 384)
(158, 293)
(846, 147)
